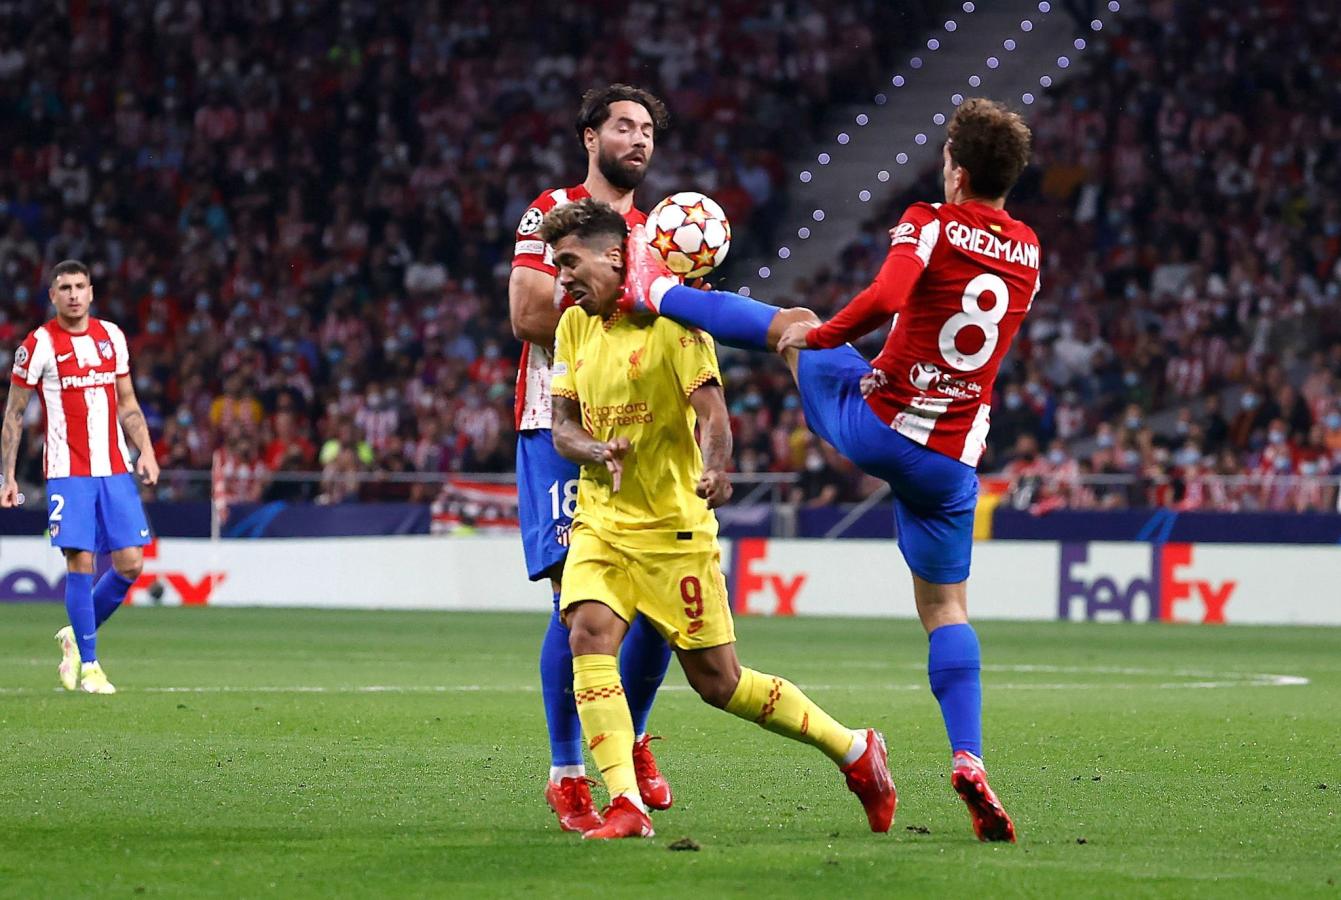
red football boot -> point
(571, 801)
(646, 277)
(622, 819)
(868, 778)
(990, 821)
(652, 785)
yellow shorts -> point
(680, 591)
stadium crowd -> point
(310, 248)
(303, 212)
(1185, 347)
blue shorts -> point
(99, 514)
(546, 501)
(935, 497)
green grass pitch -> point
(288, 753)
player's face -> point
(592, 275)
(71, 295)
(623, 145)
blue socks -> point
(953, 666)
(731, 319)
(79, 607)
(642, 665)
(556, 687)
(107, 595)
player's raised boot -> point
(868, 778)
(69, 667)
(571, 801)
(92, 680)
(623, 819)
(990, 821)
(646, 278)
(652, 785)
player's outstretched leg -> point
(731, 319)
(780, 707)
(568, 791)
(643, 659)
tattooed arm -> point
(576, 443)
(9, 441)
(714, 442)
(136, 429)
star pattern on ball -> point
(696, 214)
(706, 257)
(663, 241)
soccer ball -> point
(689, 231)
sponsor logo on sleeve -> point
(561, 368)
(905, 233)
(529, 248)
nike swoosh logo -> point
(144, 532)
(63, 357)
(89, 637)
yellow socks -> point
(606, 722)
(780, 707)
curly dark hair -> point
(992, 142)
(587, 218)
(596, 102)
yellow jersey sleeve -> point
(562, 382)
(693, 355)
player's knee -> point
(591, 634)
(130, 569)
(786, 318)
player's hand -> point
(612, 454)
(701, 284)
(147, 468)
(872, 381)
(9, 495)
(795, 336)
(714, 486)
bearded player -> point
(80, 368)
(617, 126)
(960, 276)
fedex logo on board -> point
(755, 589)
(1137, 583)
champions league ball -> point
(690, 232)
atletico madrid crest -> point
(105, 348)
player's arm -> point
(577, 444)
(9, 441)
(136, 429)
(714, 442)
(911, 243)
(531, 305)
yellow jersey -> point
(632, 376)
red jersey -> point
(75, 378)
(960, 278)
(533, 408)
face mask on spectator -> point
(1013, 400)
(1132, 422)
(184, 418)
(1282, 463)
(1249, 401)
(1104, 440)
(491, 352)
(203, 301)
(1276, 437)
(1308, 468)
(1334, 421)
(1131, 379)
(346, 385)
(814, 461)
(1131, 458)
(1188, 456)
(1056, 457)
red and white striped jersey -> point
(75, 379)
(533, 408)
(961, 278)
